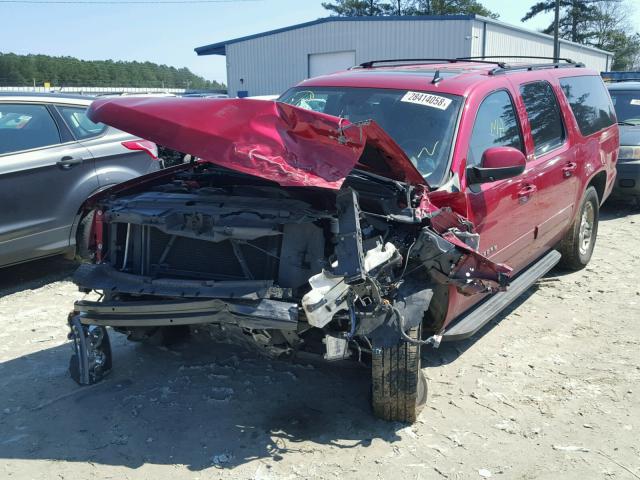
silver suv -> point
(52, 157)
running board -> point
(480, 316)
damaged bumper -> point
(260, 314)
(106, 278)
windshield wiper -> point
(627, 123)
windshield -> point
(627, 105)
(421, 123)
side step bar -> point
(480, 316)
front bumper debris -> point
(104, 277)
(259, 314)
(91, 359)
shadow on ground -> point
(617, 208)
(203, 403)
(448, 352)
(35, 274)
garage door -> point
(323, 63)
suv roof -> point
(453, 76)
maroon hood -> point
(272, 140)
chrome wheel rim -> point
(586, 228)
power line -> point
(124, 2)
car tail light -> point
(143, 145)
(629, 153)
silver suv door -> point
(114, 162)
(45, 176)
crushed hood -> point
(271, 140)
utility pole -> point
(556, 28)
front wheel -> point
(577, 245)
(399, 389)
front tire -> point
(84, 240)
(399, 388)
(577, 245)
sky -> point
(168, 33)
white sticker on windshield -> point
(427, 99)
(635, 101)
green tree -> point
(575, 17)
(354, 8)
(22, 70)
(450, 7)
(367, 8)
(602, 24)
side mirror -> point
(497, 163)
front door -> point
(502, 211)
(42, 183)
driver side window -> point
(496, 125)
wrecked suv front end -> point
(309, 260)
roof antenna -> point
(436, 77)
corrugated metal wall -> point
(590, 58)
(271, 64)
(500, 39)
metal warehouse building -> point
(270, 62)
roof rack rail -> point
(409, 61)
(556, 60)
(504, 68)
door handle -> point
(568, 169)
(67, 162)
(525, 192)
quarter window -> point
(77, 120)
(26, 126)
(496, 126)
(589, 102)
(544, 116)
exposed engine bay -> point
(336, 272)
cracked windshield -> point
(421, 123)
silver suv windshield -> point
(422, 123)
(627, 105)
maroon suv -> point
(362, 215)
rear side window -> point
(495, 126)
(77, 120)
(544, 116)
(589, 102)
(26, 126)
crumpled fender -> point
(473, 273)
(271, 140)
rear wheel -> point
(577, 245)
(399, 389)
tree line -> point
(603, 24)
(357, 8)
(23, 70)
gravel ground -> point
(549, 390)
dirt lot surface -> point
(549, 390)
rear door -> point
(552, 161)
(114, 163)
(44, 176)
